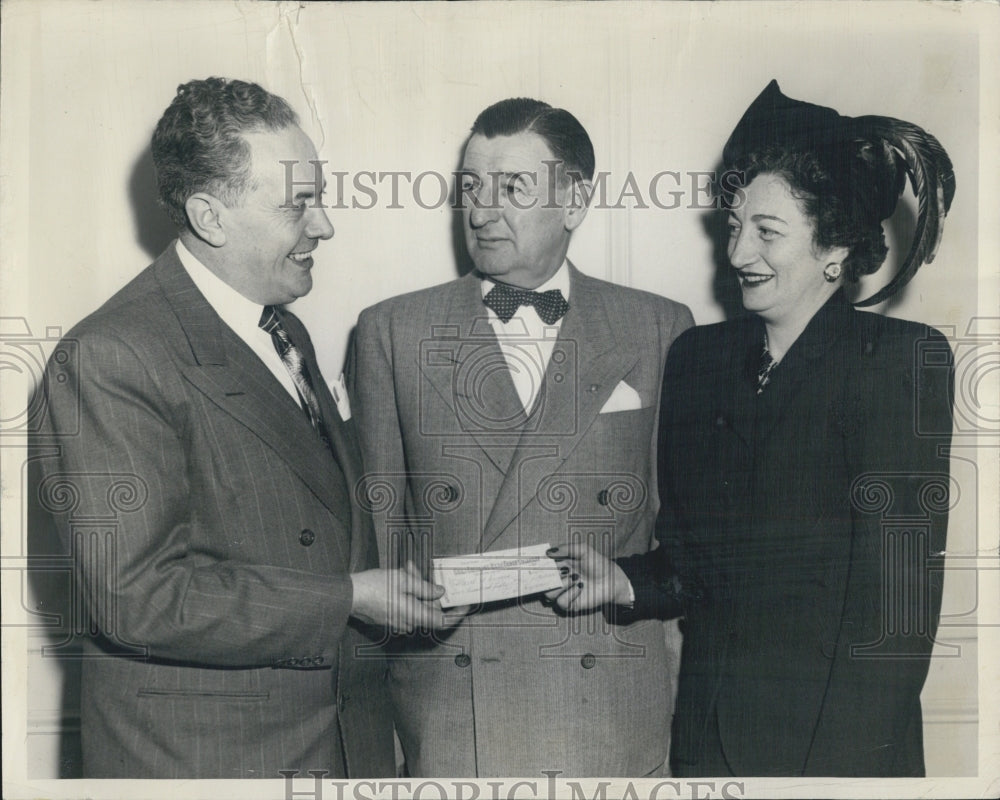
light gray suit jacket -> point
(213, 534)
(455, 466)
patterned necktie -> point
(504, 300)
(292, 358)
(767, 364)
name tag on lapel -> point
(338, 389)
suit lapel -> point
(801, 363)
(226, 371)
(740, 373)
(588, 361)
(343, 439)
(467, 370)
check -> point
(499, 575)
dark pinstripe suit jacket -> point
(219, 576)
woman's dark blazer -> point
(802, 536)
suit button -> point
(462, 660)
(342, 702)
(602, 497)
(829, 649)
(588, 661)
(558, 378)
(307, 537)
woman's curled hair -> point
(846, 194)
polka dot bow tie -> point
(505, 300)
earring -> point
(832, 272)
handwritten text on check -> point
(498, 575)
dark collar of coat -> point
(200, 323)
(826, 327)
(756, 415)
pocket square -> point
(623, 398)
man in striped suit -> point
(233, 594)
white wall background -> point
(395, 87)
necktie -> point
(504, 300)
(294, 362)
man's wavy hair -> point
(198, 144)
(562, 132)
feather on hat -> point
(869, 159)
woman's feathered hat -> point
(869, 156)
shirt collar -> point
(238, 312)
(558, 281)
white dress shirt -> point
(240, 314)
(526, 341)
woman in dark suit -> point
(802, 466)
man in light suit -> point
(202, 477)
(495, 418)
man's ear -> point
(577, 203)
(203, 215)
